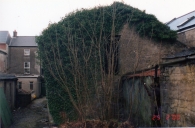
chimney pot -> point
(15, 33)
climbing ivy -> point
(89, 26)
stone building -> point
(177, 89)
(137, 53)
(185, 27)
(137, 57)
(177, 72)
(24, 64)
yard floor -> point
(34, 115)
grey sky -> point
(30, 17)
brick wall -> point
(178, 94)
(3, 47)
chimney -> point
(15, 33)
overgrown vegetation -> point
(79, 54)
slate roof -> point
(183, 22)
(183, 53)
(5, 37)
(4, 76)
(23, 41)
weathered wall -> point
(178, 94)
(187, 37)
(136, 102)
(3, 57)
(3, 62)
(9, 87)
(136, 53)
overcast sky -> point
(30, 17)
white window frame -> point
(27, 68)
(27, 52)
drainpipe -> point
(156, 80)
(157, 97)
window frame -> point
(31, 85)
(26, 68)
(26, 52)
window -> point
(31, 85)
(26, 52)
(26, 67)
(19, 85)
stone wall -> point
(178, 94)
(138, 53)
(187, 37)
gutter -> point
(34, 76)
(176, 61)
(186, 29)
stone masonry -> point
(187, 37)
(137, 53)
(178, 94)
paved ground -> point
(34, 115)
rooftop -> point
(183, 22)
(184, 53)
(23, 41)
(4, 76)
(5, 37)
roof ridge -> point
(23, 41)
(170, 21)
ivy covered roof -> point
(118, 13)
